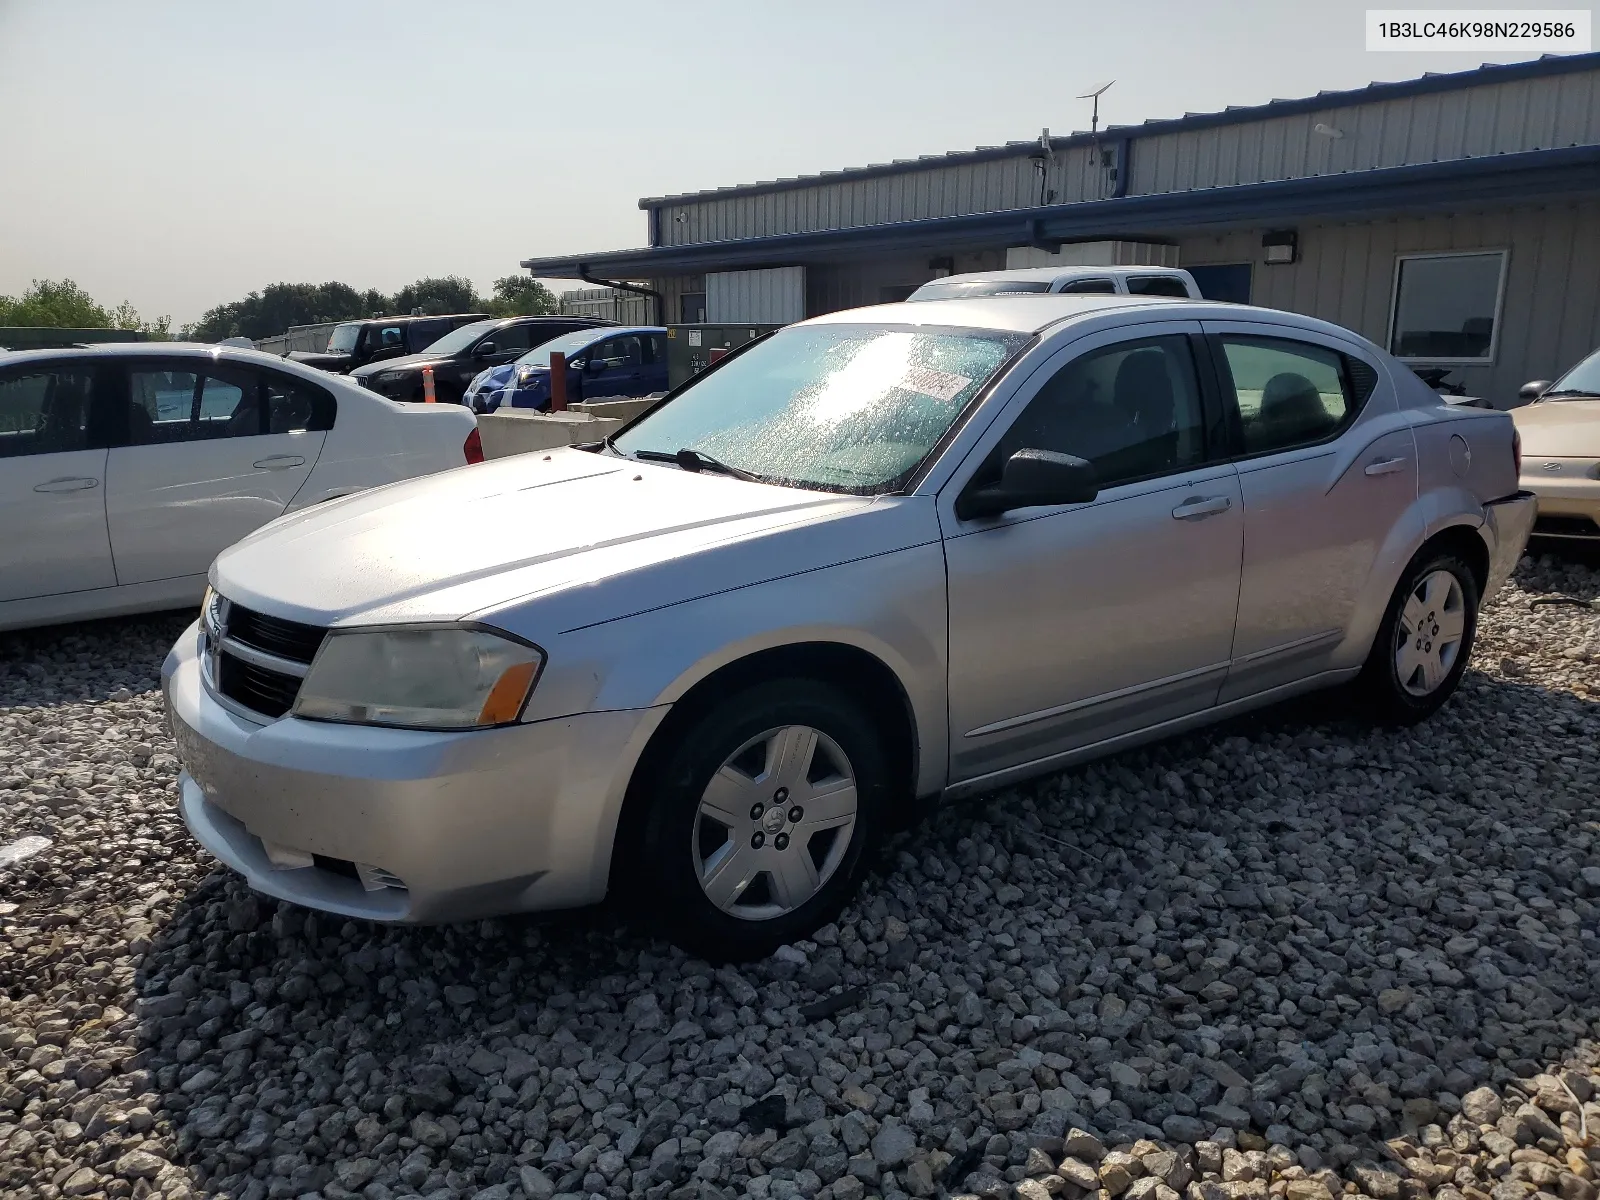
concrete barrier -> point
(521, 431)
(623, 408)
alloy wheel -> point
(1429, 633)
(774, 822)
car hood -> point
(1559, 428)
(559, 527)
(404, 362)
(323, 360)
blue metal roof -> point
(1540, 175)
(1488, 73)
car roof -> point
(1050, 274)
(417, 317)
(196, 350)
(1035, 312)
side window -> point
(1132, 409)
(655, 349)
(516, 338)
(296, 407)
(1096, 287)
(422, 334)
(1157, 285)
(45, 410)
(382, 337)
(185, 406)
(161, 405)
(618, 352)
(1289, 393)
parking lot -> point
(1293, 930)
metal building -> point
(1453, 218)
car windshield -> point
(980, 287)
(846, 408)
(458, 340)
(1580, 383)
(343, 338)
(568, 344)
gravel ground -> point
(1291, 956)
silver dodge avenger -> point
(883, 558)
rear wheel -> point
(1422, 647)
(758, 827)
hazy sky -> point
(178, 155)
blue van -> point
(631, 361)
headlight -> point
(439, 678)
(526, 375)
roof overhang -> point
(1534, 176)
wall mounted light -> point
(1280, 247)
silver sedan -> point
(883, 558)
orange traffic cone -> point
(427, 386)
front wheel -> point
(759, 824)
(1422, 646)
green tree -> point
(436, 296)
(62, 304)
(522, 295)
(278, 306)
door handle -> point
(1386, 466)
(67, 483)
(1201, 506)
(280, 462)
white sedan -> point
(125, 469)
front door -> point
(52, 484)
(210, 456)
(1328, 466)
(1074, 624)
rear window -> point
(1157, 285)
(980, 287)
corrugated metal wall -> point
(770, 297)
(625, 308)
(1550, 315)
(1495, 118)
(1526, 114)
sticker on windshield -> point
(941, 385)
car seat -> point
(1292, 410)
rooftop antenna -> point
(1094, 94)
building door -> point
(1229, 282)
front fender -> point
(891, 606)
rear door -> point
(653, 375)
(52, 482)
(210, 452)
(1328, 469)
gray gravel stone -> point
(1296, 951)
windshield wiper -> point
(1585, 393)
(696, 460)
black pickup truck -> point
(355, 343)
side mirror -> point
(485, 350)
(1529, 392)
(1031, 478)
(595, 365)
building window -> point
(1447, 306)
(692, 308)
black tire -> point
(665, 865)
(1381, 692)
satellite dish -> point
(1093, 92)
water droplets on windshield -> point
(843, 407)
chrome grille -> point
(255, 660)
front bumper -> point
(404, 825)
(1507, 524)
(1569, 496)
